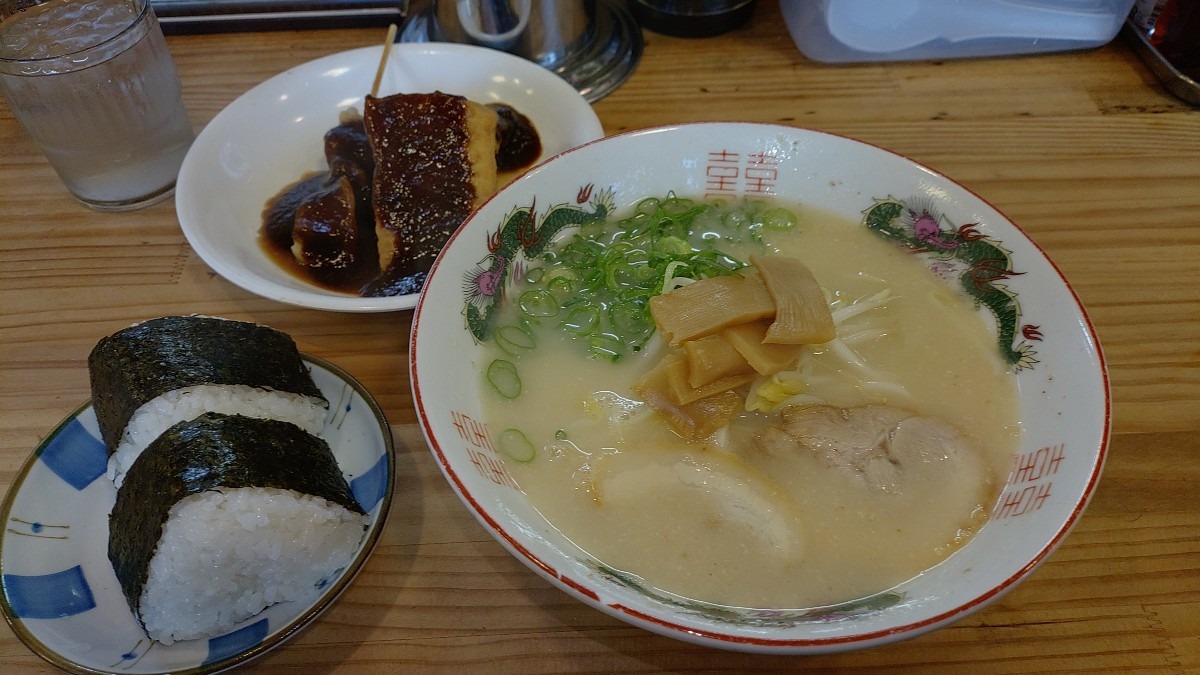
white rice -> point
(224, 556)
(161, 413)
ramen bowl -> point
(1035, 321)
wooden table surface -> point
(1086, 151)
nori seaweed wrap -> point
(142, 362)
(222, 454)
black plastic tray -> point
(214, 16)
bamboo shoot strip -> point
(802, 315)
(767, 359)
(706, 306)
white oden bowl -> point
(1063, 388)
(273, 135)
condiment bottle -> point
(1173, 28)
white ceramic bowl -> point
(273, 134)
(1063, 387)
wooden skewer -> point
(387, 50)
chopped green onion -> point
(735, 219)
(515, 339)
(515, 444)
(504, 378)
(608, 347)
(582, 319)
(539, 303)
(535, 275)
(779, 219)
(561, 288)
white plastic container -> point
(844, 31)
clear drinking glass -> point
(94, 86)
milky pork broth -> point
(865, 461)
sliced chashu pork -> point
(885, 447)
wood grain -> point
(1085, 151)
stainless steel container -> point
(593, 44)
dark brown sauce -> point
(279, 250)
(288, 264)
(280, 210)
(517, 141)
(348, 154)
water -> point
(109, 118)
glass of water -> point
(94, 86)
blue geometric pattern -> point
(240, 640)
(370, 487)
(49, 596)
(75, 455)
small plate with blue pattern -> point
(60, 594)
